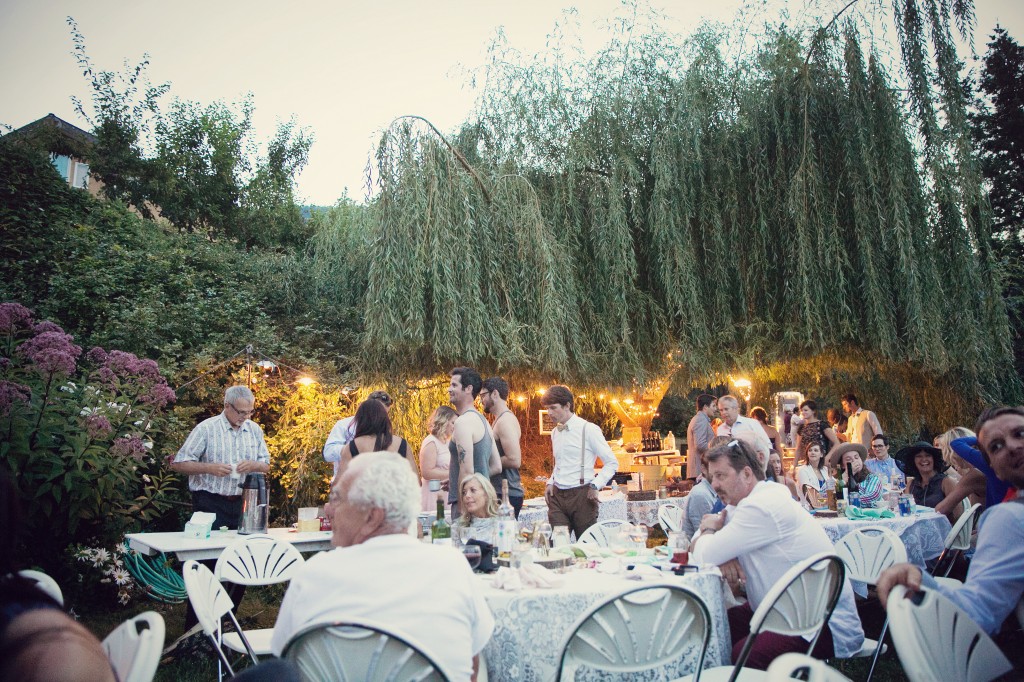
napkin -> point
(855, 513)
(644, 572)
(528, 575)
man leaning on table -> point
(760, 535)
(576, 445)
(218, 454)
(379, 573)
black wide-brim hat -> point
(906, 455)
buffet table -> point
(531, 625)
(211, 548)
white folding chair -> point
(211, 603)
(258, 560)
(600, 533)
(867, 552)
(359, 651)
(642, 628)
(134, 647)
(958, 540)
(783, 669)
(44, 583)
(935, 640)
(670, 517)
(798, 605)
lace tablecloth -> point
(531, 625)
(923, 534)
(610, 506)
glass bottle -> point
(508, 529)
(440, 530)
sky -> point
(342, 68)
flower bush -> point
(76, 435)
(105, 571)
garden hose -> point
(162, 582)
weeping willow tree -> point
(667, 207)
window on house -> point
(81, 179)
(61, 163)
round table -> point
(610, 506)
(924, 535)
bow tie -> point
(562, 427)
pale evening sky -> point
(344, 69)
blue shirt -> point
(995, 489)
(995, 579)
(887, 467)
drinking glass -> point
(638, 534)
(560, 537)
(473, 555)
(545, 532)
(679, 548)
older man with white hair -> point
(379, 572)
(746, 429)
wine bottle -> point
(508, 529)
(440, 530)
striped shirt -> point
(214, 440)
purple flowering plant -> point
(78, 432)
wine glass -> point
(473, 555)
(545, 532)
(638, 534)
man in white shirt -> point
(380, 573)
(744, 428)
(862, 425)
(760, 535)
(345, 430)
(576, 444)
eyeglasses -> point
(240, 413)
(878, 446)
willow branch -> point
(458, 155)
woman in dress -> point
(373, 434)
(479, 506)
(926, 477)
(813, 430)
(776, 473)
(814, 476)
(434, 455)
(761, 415)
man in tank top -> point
(472, 444)
(507, 432)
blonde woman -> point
(972, 484)
(434, 455)
(479, 506)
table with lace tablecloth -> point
(610, 506)
(923, 534)
(531, 625)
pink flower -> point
(96, 355)
(132, 446)
(11, 393)
(159, 395)
(98, 427)
(46, 326)
(14, 317)
(51, 352)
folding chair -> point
(798, 604)
(642, 628)
(958, 541)
(600, 533)
(44, 583)
(867, 552)
(670, 517)
(359, 651)
(211, 603)
(786, 666)
(258, 560)
(935, 640)
(134, 647)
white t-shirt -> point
(425, 593)
(808, 475)
(769, 533)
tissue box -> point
(199, 526)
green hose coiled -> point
(162, 582)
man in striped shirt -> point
(218, 454)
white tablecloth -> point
(530, 625)
(923, 534)
(610, 506)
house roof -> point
(56, 135)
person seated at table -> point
(434, 455)
(813, 430)
(761, 415)
(996, 490)
(760, 535)
(814, 477)
(995, 581)
(926, 473)
(854, 455)
(373, 434)
(380, 573)
(479, 507)
(972, 484)
(884, 466)
(702, 498)
(777, 474)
